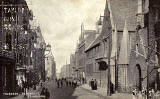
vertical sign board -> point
(12, 22)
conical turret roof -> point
(124, 48)
(114, 46)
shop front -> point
(7, 75)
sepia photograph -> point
(79, 49)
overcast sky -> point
(60, 22)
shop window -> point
(9, 41)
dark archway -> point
(138, 77)
(102, 65)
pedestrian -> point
(61, 81)
(144, 93)
(92, 84)
(157, 95)
(67, 83)
(58, 83)
(42, 93)
(75, 83)
(70, 83)
(47, 94)
(151, 93)
(83, 80)
(134, 94)
(95, 84)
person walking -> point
(42, 93)
(95, 84)
(151, 93)
(47, 94)
(61, 81)
(144, 93)
(67, 83)
(134, 94)
(58, 83)
(92, 84)
(70, 83)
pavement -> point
(81, 92)
(103, 93)
(31, 94)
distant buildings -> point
(66, 71)
(50, 65)
(73, 65)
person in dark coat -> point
(95, 85)
(58, 83)
(47, 94)
(61, 81)
(92, 84)
(70, 83)
(67, 83)
(42, 93)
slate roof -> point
(121, 10)
(124, 51)
(106, 28)
(124, 9)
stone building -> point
(50, 66)
(118, 55)
(73, 65)
(66, 71)
(133, 46)
(136, 55)
(39, 54)
(98, 52)
(14, 25)
(85, 39)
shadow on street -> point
(63, 93)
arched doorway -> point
(138, 77)
(102, 65)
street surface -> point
(65, 93)
(71, 93)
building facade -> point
(127, 40)
(14, 42)
(50, 65)
(39, 54)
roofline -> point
(93, 47)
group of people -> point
(143, 94)
(45, 93)
(93, 84)
(66, 82)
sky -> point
(60, 22)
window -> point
(89, 69)
(140, 16)
(8, 41)
(140, 6)
(87, 54)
